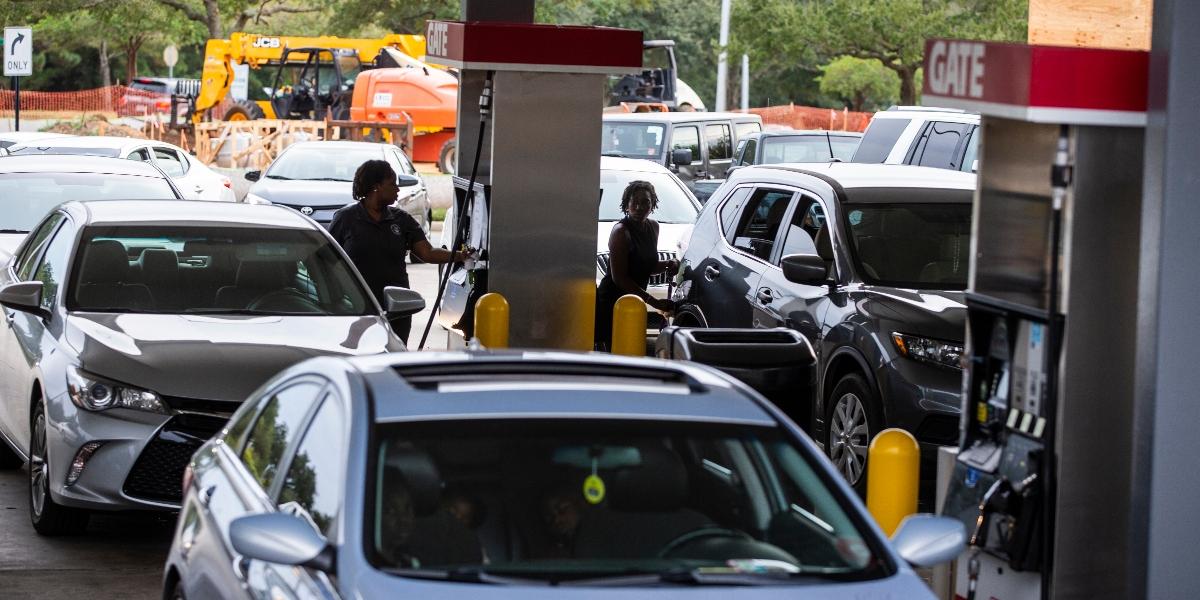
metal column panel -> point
(470, 86)
(1101, 237)
(545, 194)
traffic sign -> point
(170, 55)
(18, 51)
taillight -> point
(228, 183)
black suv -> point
(868, 262)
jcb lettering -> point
(956, 69)
(436, 37)
(266, 42)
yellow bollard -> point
(629, 326)
(893, 475)
(491, 320)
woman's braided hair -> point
(369, 175)
(635, 187)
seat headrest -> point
(824, 244)
(263, 275)
(104, 261)
(658, 484)
(415, 470)
(158, 261)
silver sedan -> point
(133, 329)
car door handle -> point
(711, 272)
(9, 316)
(205, 495)
(764, 295)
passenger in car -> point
(561, 508)
(633, 256)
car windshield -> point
(572, 500)
(912, 245)
(212, 269)
(632, 140)
(35, 148)
(322, 163)
(27, 197)
(807, 148)
(675, 204)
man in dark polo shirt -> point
(378, 236)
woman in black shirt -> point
(378, 236)
(633, 258)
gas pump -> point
(528, 202)
(1042, 480)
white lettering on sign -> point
(266, 42)
(382, 99)
(18, 51)
(436, 38)
(956, 69)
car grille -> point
(220, 408)
(158, 473)
(602, 262)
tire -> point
(49, 518)
(244, 110)
(9, 459)
(446, 157)
(851, 421)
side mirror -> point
(804, 268)
(732, 169)
(926, 540)
(975, 166)
(681, 157)
(25, 296)
(407, 181)
(253, 175)
(282, 539)
(402, 302)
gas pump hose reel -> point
(485, 109)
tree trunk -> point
(212, 19)
(859, 100)
(131, 53)
(908, 90)
(105, 68)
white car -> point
(192, 177)
(19, 138)
(943, 138)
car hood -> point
(669, 236)
(214, 357)
(317, 194)
(9, 243)
(928, 313)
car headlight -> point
(92, 393)
(256, 199)
(936, 352)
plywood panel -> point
(1121, 24)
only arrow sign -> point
(20, 38)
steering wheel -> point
(711, 531)
(285, 301)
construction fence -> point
(810, 117)
(118, 99)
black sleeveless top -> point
(641, 260)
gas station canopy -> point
(1038, 84)
(529, 47)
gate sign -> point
(1040, 84)
(18, 51)
(533, 47)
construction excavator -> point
(290, 77)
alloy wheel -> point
(38, 470)
(849, 437)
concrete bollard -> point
(629, 326)
(491, 320)
(893, 476)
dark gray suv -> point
(867, 261)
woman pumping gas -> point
(633, 258)
(378, 236)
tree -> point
(860, 81)
(211, 13)
(891, 31)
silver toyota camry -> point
(133, 329)
(527, 475)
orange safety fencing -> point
(811, 117)
(118, 99)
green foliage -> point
(863, 83)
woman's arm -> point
(426, 252)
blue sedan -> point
(485, 475)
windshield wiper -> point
(324, 179)
(236, 311)
(611, 153)
(478, 574)
(14, 231)
(279, 177)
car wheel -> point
(851, 420)
(244, 110)
(49, 518)
(9, 459)
(445, 161)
